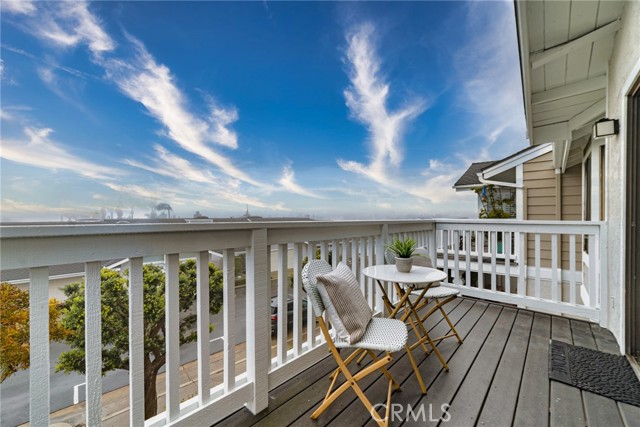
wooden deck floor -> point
(498, 377)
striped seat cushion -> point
(347, 307)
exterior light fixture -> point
(605, 127)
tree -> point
(492, 202)
(14, 324)
(115, 321)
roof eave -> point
(525, 67)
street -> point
(14, 392)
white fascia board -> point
(466, 187)
(525, 64)
(532, 153)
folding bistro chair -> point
(388, 335)
(441, 295)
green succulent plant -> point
(402, 248)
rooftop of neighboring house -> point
(471, 177)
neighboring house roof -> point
(492, 168)
(470, 177)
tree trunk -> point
(150, 393)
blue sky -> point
(328, 109)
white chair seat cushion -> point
(381, 334)
(438, 292)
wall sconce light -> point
(605, 127)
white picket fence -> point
(359, 243)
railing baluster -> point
(39, 344)
(355, 261)
(335, 253)
(283, 286)
(494, 248)
(480, 244)
(172, 339)
(311, 324)
(229, 312)
(594, 247)
(537, 257)
(456, 257)
(572, 268)
(202, 303)
(467, 255)
(323, 250)
(297, 299)
(345, 251)
(445, 252)
(507, 261)
(522, 267)
(136, 343)
(554, 267)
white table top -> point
(417, 275)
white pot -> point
(403, 265)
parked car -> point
(274, 312)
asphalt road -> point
(14, 392)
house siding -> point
(540, 204)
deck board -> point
(532, 408)
(566, 401)
(356, 414)
(497, 377)
(500, 403)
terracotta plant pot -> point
(403, 265)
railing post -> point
(39, 342)
(258, 349)
(603, 270)
(93, 343)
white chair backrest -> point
(314, 268)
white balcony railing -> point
(542, 266)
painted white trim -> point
(502, 166)
(522, 25)
(571, 89)
(541, 58)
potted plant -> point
(403, 250)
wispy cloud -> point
(367, 99)
(491, 92)
(69, 24)
(23, 7)
(39, 150)
(173, 166)
(152, 84)
(288, 182)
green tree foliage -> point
(492, 202)
(14, 328)
(115, 321)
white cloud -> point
(69, 24)
(22, 7)
(173, 166)
(288, 182)
(40, 151)
(151, 84)
(367, 99)
(489, 70)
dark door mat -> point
(602, 373)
